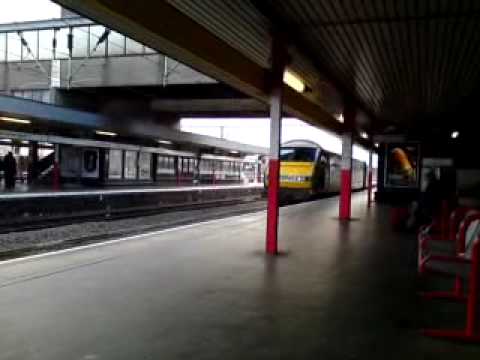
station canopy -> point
(408, 66)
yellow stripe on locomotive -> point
(296, 175)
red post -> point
(472, 303)
(279, 57)
(369, 179)
(273, 206)
(346, 177)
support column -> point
(32, 162)
(346, 177)
(56, 168)
(276, 92)
(369, 179)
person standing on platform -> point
(9, 170)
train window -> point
(171, 164)
(97, 47)
(297, 154)
(115, 163)
(184, 166)
(165, 165)
(191, 165)
(179, 165)
(130, 164)
(145, 165)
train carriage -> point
(123, 164)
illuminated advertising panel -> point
(402, 165)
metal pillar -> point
(56, 168)
(276, 92)
(369, 179)
(346, 177)
(32, 162)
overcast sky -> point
(27, 10)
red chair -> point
(431, 264)
(467, 266)
(430, 241)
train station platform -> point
(208, 291)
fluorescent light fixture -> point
(364, 135)
(25, 142)
(233, 152)
(14, 120)
(166, 142)
(340, 118)
(105, 133)
(455, 134)
(6, 140)
(293, 81)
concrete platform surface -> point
(207, 291)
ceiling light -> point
(233, 152)
(15, 120)
(25, 142)
(377, 144)
(6, 140)
(340, 118)
(293, 81)
(105, 133)
(455, 134)
(45, 144)
(364, 135)
(166, 142)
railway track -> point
(66, 233)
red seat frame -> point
(457, 293)
(454, 223)
(471, 332)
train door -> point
(324, 162)
(335, 166)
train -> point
(307, 170)
(107, 163)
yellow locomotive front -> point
(297, 169)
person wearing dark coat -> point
(9, 170)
